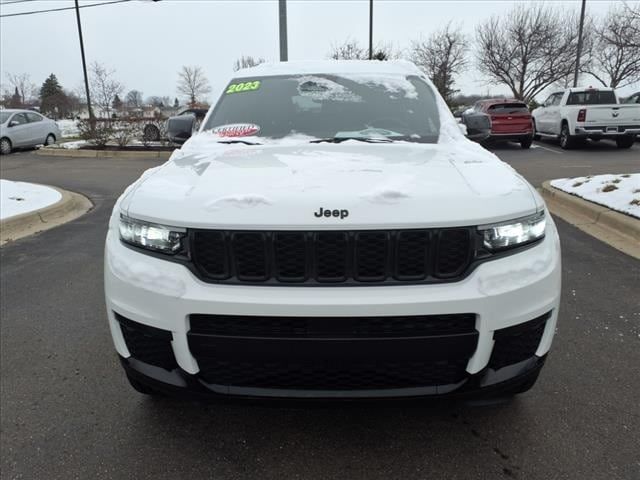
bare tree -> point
(104, 87)
(616, 53)
(442, 56)
(193, 84)
(351, 50)
(633, 12)
(246, 62)
(528, 49)
(133, 99)
(22, 82)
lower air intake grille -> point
(332, 353)
(148, 344)
(321, 375)
(517, 343)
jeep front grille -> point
(333, 257)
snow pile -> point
(17, 198)
(617, 192)
(73, 145)
(320, 88)
(241, 201)
(68, 128)
(391, 83)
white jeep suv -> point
(330, 233)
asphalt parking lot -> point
(67, 411)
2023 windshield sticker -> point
(243, 87)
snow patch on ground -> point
(240, 201)
(617, 192)
(17, 198)
(73, 145)
(68, 128)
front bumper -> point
(501, 294)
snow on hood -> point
(281, 184)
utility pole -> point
(92, 120)
(370, 29)
(579, 52)
(283, 30)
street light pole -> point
(84, 68)
(370, 29)
(283, 30)
(579, 52)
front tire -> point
(50, 140)
(5, 146)
(151, 133)
(625, 142)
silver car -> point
(25, 128)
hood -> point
(285, 186)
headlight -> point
(514, 233)
(151, 236)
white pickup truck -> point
(576, 114)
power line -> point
(17, 1)
(33, 12)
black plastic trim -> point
(487, 383)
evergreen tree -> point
(53, 100)
(117, 103)
(176, 103)
(16, 100)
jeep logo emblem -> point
(341, 214)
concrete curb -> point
(64, 152)
(614, 228)
(71, 206)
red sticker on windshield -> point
(236, 130)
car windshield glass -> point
(591, 97)
(509, 108)
(4, 116)
(326, 106)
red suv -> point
(510, 120)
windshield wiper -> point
(359, 139)
(245, 142)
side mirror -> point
(478, 126)
(13, 123)
(180, 128)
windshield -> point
(327, 106)
(4, 116)
(591, 97)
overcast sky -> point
(147, 43)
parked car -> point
(25, 128)
(510, 120)
(188, 120)
(330, 233)
(576, 114)
(152, 133)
